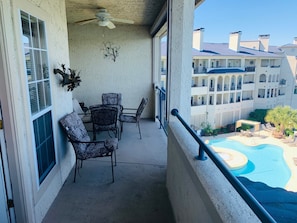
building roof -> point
(289, 45)
(222, 49)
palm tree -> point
(282, 118)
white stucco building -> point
(230, 80)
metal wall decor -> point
(110, 51)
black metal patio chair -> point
(132, 115)
(83, 147)
(105, 119)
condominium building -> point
(230, 80)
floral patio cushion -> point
(76, 131)
(77, 134)
(127, 118)
(111, 98)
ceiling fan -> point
(104, 19)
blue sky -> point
(253, 17)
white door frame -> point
(10, 173)
(6, 214)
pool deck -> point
(264, 137)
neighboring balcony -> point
(199, 109)
(199, 70)
(199, 90)
(268, 69)
(248, 86)
(250, 69)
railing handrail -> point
(258, 209)
(161, 89)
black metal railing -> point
(262, 214)
(161, 115)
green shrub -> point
(289, 132)
(246, 126)
(206, 129)
(258, 115)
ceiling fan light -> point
(103, 23)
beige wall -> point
(130, 74)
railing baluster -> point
(161, 113)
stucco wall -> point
(130, 74)
(198, 191)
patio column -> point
(179, 63)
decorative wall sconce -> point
(110, 51)
(70, 78)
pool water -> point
(266, 163)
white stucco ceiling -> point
(142, 12)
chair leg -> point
(117, 133)
(94, 134)
(75, 170)
(121, 130)
(112, 168)
(115, 156)
(139, 130)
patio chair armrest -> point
(111, 144)
(81, 113)
(88, 142)
(128, 113)
(88, 112)
(130, 109)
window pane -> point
(33, 98)
(44, 145)
(50, 151)
(42, 34)
(26, 30)
(38, 67)
(44, 158)
(35, 125)
(44, 64)
(41, 98)
(35, 32)
(47, 92)
(39, 157)
(48, 121)
(29, 66)
(41, 129)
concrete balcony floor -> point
(139, 192)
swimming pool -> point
(265, 162)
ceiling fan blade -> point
(110, 25)
(128, 21)
(86, 21)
